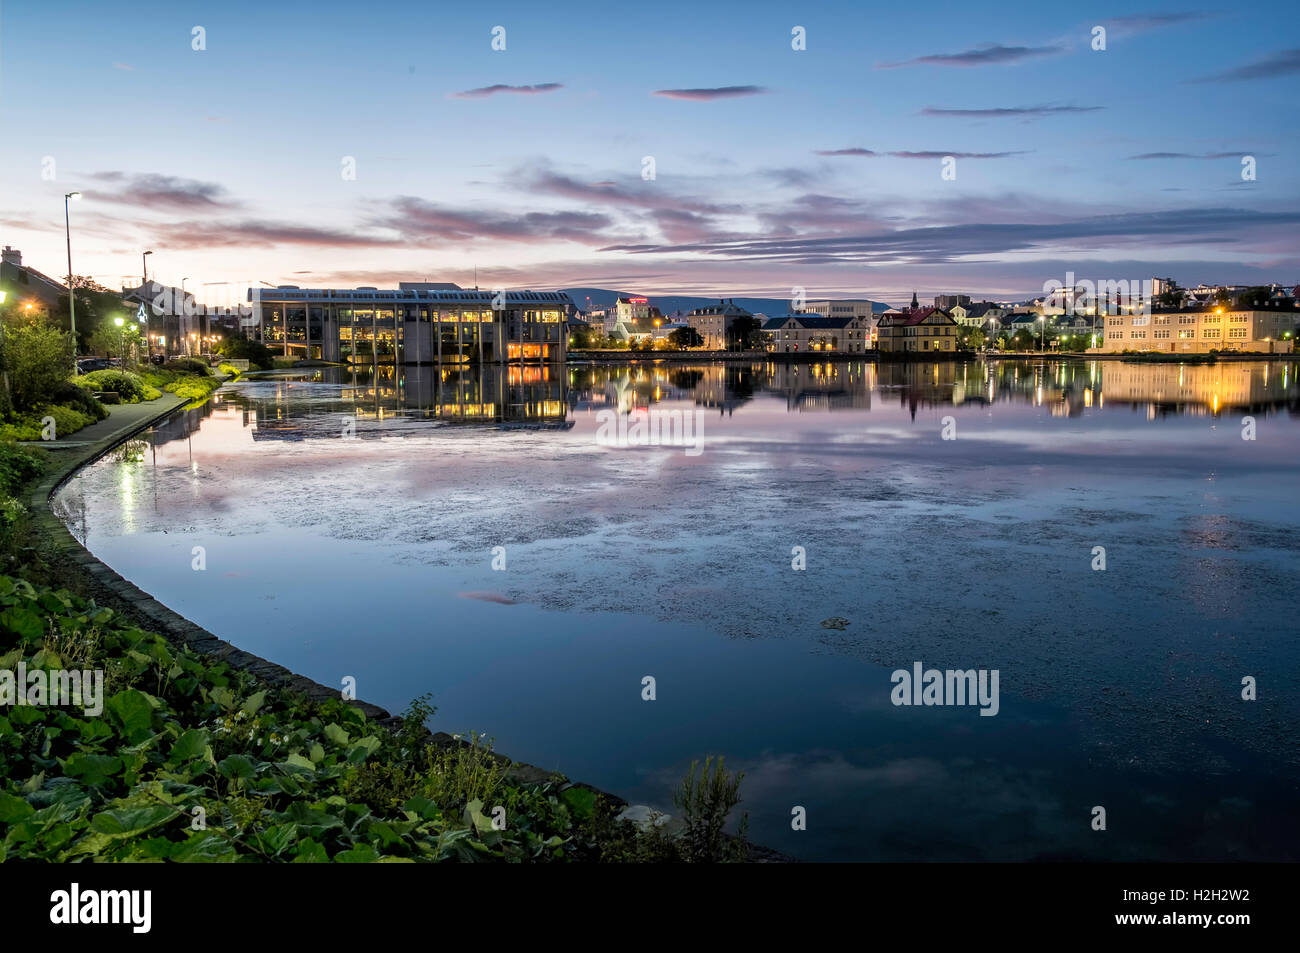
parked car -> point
(87, 364)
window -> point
(1236, 332)
(1163, 320)
(1211, 332)
(1160, 334)
(1184, 335)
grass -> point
(33, 424)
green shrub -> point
(129, 387)
(193, 388)
(188, 365)
(31, 425)
(17, 466)
(78, 398)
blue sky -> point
(227, 161)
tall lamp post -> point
(72, 297)
(144, 280)
(121, 341)
(182, 311)
(4, 352)
(1042, 330)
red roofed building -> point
(921, 330)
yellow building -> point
(923, 330)
(1268, 329)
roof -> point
(729, 310)
(910, 317)
(811, 322)
(374, 294)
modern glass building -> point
(419, 323)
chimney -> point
(12, 256)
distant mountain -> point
(672, 304)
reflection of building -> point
(1268, 327)
(724, 386)
(394, 401)
(800, 333)
(829, 386)
(1227, 385)
(418, 323)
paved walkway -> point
(122, 420)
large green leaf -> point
(93, 769)
(14, 808)
(128, 821)
(132, 712)
(237, 766)
(190, 745)
(24, 623)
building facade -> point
(418, 323)
(923, 330)
(1269, 329)
(977, 315)
(844, 308)
(948, 302)
(717, 323)
(802, 333)
(631, 319)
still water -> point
(350, 525)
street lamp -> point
(144, 270)
(5, 365)
(121, 341)
(72, 298)
(1042, 330)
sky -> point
(334, 144)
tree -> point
(1256, 294)
(1171, 297)
(582, 338)
(255, 352)
(682, 338)
(95, 303)
(38, 358)
(742, 333)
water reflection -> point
(626, 562)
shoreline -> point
(69, 559)
(910, 357)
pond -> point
(1118, 541)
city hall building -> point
(418, 323)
